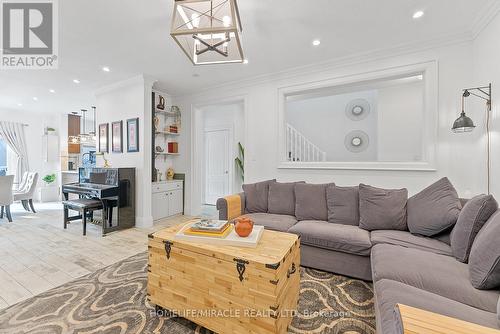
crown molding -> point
(485, 17)
(355, 59)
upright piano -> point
(115, 188)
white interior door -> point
(217, 165)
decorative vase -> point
(161, 104)
(170, 174)
(156, 121)
(243, 226)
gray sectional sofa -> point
(428, 251)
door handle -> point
(226, 172)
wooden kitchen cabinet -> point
(73, 130)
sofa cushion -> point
(471, 219)
(256, 196)
(342, 238)
(281, 198)
(444, 237)
(343, 205)
(382, 209)
(273, 222)
(439, 274)
(390, 293)
(484, 260)
(434, 209)
(406, 239)
(310, 201)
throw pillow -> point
(256, 195)
(382, 209)
(282, 198)
(310, 201)
(471, 219)
(343, 205)
(484, 259)
(434, 209)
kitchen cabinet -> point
(167, 199)
(73, 130)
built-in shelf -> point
(166, 153)
(161, 134)
(166, 112)
(166, 133)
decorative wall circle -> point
(357, 109)
(356, 141)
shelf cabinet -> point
(167, 199)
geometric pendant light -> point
(208, 31)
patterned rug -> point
(113, 301)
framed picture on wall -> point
(133, 135)
(103, 138)
(117, 137)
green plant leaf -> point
(49, 178)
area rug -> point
(113, 301)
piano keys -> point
(115, 188)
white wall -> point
(228, 115)
(400, 114)
(122, 101)
(261, 115)
(486, 69)
(323, 121)
(37, 122)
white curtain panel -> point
(13, 135)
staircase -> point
(299, 148)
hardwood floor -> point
(37, 254)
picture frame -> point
(133, 135)
(104, 138)
(117, 137)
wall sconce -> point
(465, 123)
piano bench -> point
(83, 206)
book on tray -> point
(221, 234)
(208, 225)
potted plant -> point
(240, 161)
(49, 178)
(49, 193)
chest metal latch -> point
(168, 247)
(240, 267)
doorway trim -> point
(197, 128)
(230, 129)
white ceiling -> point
(132, 37)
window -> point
(3, 158)
(383, 120)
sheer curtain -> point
(13, 134)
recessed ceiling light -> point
(316, 42)
(418, 14)
(76, 81)
(245, 61)
(106, 69)
(52, 90)
(35, 98)
(19, 104)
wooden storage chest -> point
(226, 289)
